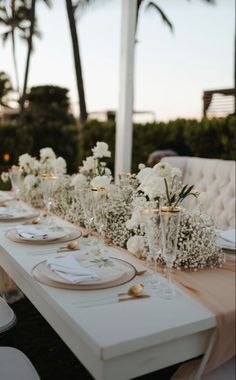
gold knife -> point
(133, 298)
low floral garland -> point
(150, 188)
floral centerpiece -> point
(31, 170)
(156, 187)
(161, 187)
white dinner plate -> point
(41, 232)
(9, 214)
(72, 234)
(112, 273)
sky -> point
(171, 69)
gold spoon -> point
(73, 245)
(134, 291)
(36, 220)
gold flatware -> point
(142, 296)
(68, 250)
(36, 220)
(72, 246)
(140, 272)
(134, 291)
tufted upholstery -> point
(214, 176)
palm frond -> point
(208, 1)
(5, 36)
(152, 5)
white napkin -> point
(42, 233)
(228, 235)
(227, 239)
(30, 232)
(70, 269)
(4, 211)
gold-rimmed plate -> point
(125, 272)
(72, 234)
(12, 215)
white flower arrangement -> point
(197, 247)
(151, 187)
(162, 184)
(101, 181)
(196, 241)
(32, 168)
(93, 166)
(66, 201)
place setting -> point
(10, 213)
(88, 270)
(42, 234)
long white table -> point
(118, 341)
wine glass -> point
(124, 183)
(48, 185)
(99, 200)
(15, 175)
(86, 199)
(170, 221)
(152, 227)
(124, 178)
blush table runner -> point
(215, 290)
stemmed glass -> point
(15, 174)
(48, 184)
(124, 178)
(99, 200)
(152, 226)
(124, 183)
(170, 220)
(86, 199)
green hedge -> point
(214, 138)
(16, 140)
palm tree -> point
(77, 60)
(29, 12)
(12, 18)
(152, 6)
(5, 89)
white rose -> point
(176, 172)
(153, 187)
(4, 177)
(89, 164)
(26, 162)
(107, 172)
(204, 199)
(134, 222)
(101, 150)
(59, 165)
(78, 180)
(162, 169)
(145, 172)
(30, 181)
(141, 166)
(135, 245)
(35, 165)
(101, 181)
(47, 154)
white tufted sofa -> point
(214, 176)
